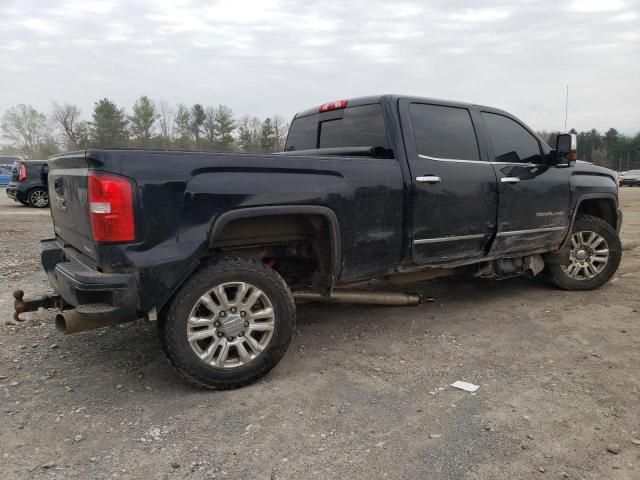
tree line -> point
(612, 149)
(149, 124)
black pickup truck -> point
(216, 247)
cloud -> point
(591, 6)
(280, 56)
(473, 15)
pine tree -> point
(109, 125)
(224, 126)
(197, 119)
(267, 136)
(142, 121)
(182, 121)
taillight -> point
(22, 176)
(338, 104)
(111, 208)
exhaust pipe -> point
(358, 296)
(73, 321)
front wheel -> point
(594, 256)
(229, 324)
(39, 198)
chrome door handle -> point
(510, 180)
(428, 179)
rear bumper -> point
(81, 285)
(17, 192)
(12, 193)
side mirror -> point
(566, 149)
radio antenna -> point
(566, 109)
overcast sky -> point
(269, 56)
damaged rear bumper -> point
(99, 298)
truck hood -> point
(588, 167)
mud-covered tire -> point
(173, 323)
(560, 274)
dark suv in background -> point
(29, 183)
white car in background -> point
(630, 178)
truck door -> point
(454, 189)
(533, 207)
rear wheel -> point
(594, 256)
(229, 324)
(39, 198)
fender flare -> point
(251, 212)
(589, 196)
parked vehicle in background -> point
(7, 161)
(5, 176)
(630, 178)
(216, 247)
(28, 183)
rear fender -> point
(255, 212)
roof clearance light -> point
(338, 104)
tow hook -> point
(22, 305)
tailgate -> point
(69, 205)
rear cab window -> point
(357, 126)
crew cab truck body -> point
(212, 245)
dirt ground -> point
(363, 392)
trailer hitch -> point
(22, 305)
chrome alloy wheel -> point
(231, 324)
(589, 255)
(39, 198)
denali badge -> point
(549, 214)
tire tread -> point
(170, 331)
(589, 222)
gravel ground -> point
(363, 392)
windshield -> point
(361, 126)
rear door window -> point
(361, 126)
(444, 132)
(512, 143)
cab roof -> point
(357, 101)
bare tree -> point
(280, 130)
(165, 120)
(25, 128)
(249, 130)
(209, 125)
(66, 118)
